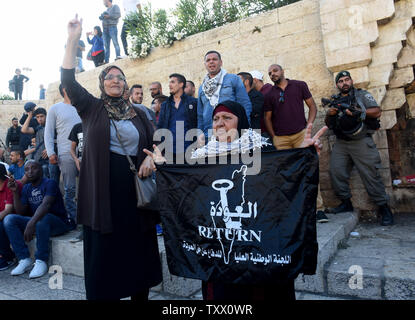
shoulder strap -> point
(132, 166)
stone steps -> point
(379, 264)
(329, 236)
(69, 256)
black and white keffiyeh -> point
(211, 87)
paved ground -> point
(385, 257)
(23, 288)
(394, 245)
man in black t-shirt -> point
(77, 138)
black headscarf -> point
(239, 111)
(117, 107)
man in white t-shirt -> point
(130, 6)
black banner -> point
(223, 225)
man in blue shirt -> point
(42, 92)
(218, 86)
(40, 211)
(17, 159)
(178, 114)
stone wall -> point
(312, 40)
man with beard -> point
(356, 146)
(155, 90)
(285, 117)
(284, 109)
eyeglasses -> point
(120, 77)
(282, 96)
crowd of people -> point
(101, 37)
(88, 138)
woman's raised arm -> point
(74, 34)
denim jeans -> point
(54, 172)
(124, 38)
(108, 34)
(18, 94)
(45, 168)
(79, 64)
(5, 251)
(69, 173)
(49, 226)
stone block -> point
(377, 10)
(386, 54)
(366, 33)
(290, 27)
(340, 281)
(407, 57)
(270, 17)
(410, 37)
(411, 103)
(336, 40)
(394, 99)
(68, 255)
(349, 58)
(399, 280)
(327, 6)
(401, 77)
(380, 75)
(388, 119)
(312, 21)
(297, 10)
(404, 9)
(328, 23)
(393, 31)
(380, 138)
(378, 93)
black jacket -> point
(190, 104)
(257, 101)
(18, 81)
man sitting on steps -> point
(40, 211)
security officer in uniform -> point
(354, 145)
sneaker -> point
(78, 238)
(321, 217)
(159, 230)
(39, 270)
(118, 58)
(6, 264)
(23, 266)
